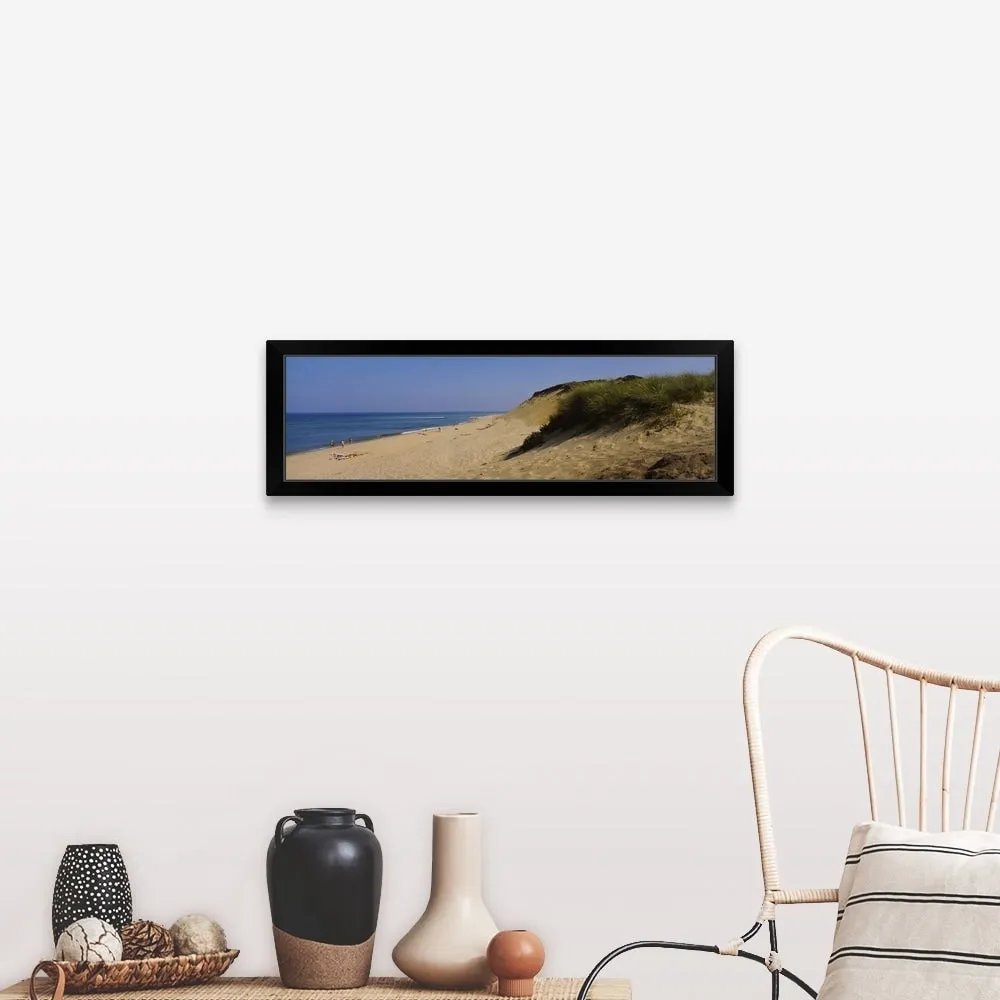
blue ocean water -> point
(306, 431)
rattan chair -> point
(775, 893)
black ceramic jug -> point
(324, 882)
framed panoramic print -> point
(499, 417)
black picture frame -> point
(278, 486)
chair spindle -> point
(897, 763)
(994, 798)
(949, 733)
(977, 735)
(923, 753)
(864, 737)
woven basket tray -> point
(133, 974)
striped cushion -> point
(918, 917)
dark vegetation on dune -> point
(566, 386)
(610, 403)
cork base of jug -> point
(313, 965)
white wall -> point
(183, 660)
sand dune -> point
(481, 449)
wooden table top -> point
(378, 988)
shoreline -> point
(451, 451)
(322, 449)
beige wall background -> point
(183, 661)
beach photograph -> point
(511, 418)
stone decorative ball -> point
(515, 958)
(144, 939)
(196, 934)
(89, 940)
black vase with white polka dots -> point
(92, 882)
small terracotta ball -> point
(196, 934)
(515, 958)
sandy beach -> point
(481, 449)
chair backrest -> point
(859, 659)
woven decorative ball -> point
(197, 934)
(144, 939)
(89, 940)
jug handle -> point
(367, 821)
(279, 830)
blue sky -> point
(373, 384)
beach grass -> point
(616, 403)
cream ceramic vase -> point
(446, 948)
